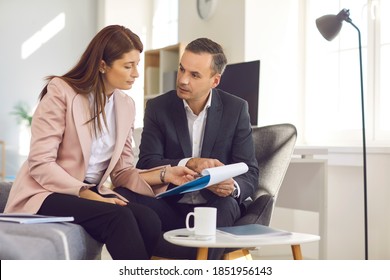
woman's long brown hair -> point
(108, 45)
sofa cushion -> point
(48, 241)
(44, 241)
(18, 245)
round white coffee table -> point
(183, 237)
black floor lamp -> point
(329, 26)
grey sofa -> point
(48, 241)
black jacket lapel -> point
(213, 123)
(179, 116)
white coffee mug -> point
(205, 221)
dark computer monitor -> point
(243, 79)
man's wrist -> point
(236, 192)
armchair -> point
(274, 145)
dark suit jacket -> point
(227, 137)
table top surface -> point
(184, 237)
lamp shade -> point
(330, 25)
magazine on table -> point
(209, 176)
(33, 219)
(252, 231)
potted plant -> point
(24, 118)
(22, 112)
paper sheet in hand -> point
(210, 176)
(33, 219)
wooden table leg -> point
(296, 250)
(202, 253)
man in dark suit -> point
(200, 127)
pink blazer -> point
(61, 147)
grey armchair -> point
(274, 145)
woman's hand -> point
(88, 194)
(114, 200)
(179, 175)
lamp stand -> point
(329, 26)
(364, 145)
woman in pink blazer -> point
(81, 135)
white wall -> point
(135, 15)
(271, 35)
(23, 79)
(226, 26)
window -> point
(382, 59)
(165, 23)
(333, 100)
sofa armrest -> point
(57, 241)
(5, 188)
(44, 241)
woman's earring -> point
(102, 71)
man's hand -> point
(198, 164)
(223, 189)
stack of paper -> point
(33, 219)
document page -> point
(210, 176)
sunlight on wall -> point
(165, 23)
(24, 140)
(42, 36)
(25, 135)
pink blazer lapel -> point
(81, 116)
(124, 117)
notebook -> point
(252, 231)
(33, 219)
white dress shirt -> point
(196, 127)
(102, 145)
